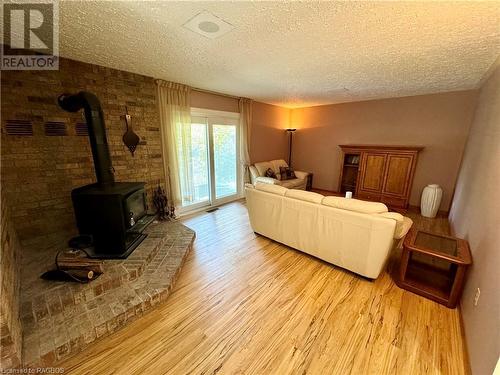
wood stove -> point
(112, 213)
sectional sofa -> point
(352, 234)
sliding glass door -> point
(225, 160)
(192, 152)
(208, 161)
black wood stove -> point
(112, 213)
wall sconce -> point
(290, 131)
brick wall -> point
(10, 325)
(39, 171)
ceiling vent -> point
(55, 128)
(19, 127)
(208, 25)
(82, 129)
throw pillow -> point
(270, 173)
(287, 173)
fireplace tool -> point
(130, 139)
(160, 202)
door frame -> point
(222, 116)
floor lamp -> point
(290, 131)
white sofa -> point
(258, 174)
(349, 233)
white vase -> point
(431, 199)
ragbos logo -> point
(30, 35)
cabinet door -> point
(372, 172)
(397, 175)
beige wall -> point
(439, 122)
(475, 216)
(213, 101)
(269, 140)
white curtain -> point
(245, 106)
(175, 128)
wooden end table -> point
(309, 183)
(433, 266)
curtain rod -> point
(208, 91)
(215, 93)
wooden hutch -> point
(379, 173)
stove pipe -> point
(97, 131)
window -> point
(208, 152)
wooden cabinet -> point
(397, 174)
(372, 172)
(382, 173)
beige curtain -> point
(175, 128)
(245, 106)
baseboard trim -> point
(441, 213)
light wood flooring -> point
(244, 304)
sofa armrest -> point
(301, 175)
(403, 223)
(403, 228)
(254, 173)
(267, 180)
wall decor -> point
(130, 139)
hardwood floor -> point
(247, 305)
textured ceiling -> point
(296, 53)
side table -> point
(309, 183)
(434, 265)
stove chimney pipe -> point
(97, 132)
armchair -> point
(258, 174)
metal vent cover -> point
(81, 129)
(208, 25)
(55, 128)
(19, 127)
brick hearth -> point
(61, 318)
(43, 322)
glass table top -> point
(436, 242)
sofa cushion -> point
(302, 195)
(267, 180)
(287, 173)
(269, 188)
(277, 164)
(355, 205)
(393, 215)
(290, 184)
(270, 173)
(332, 201)
(301, 175)
(263, 166)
